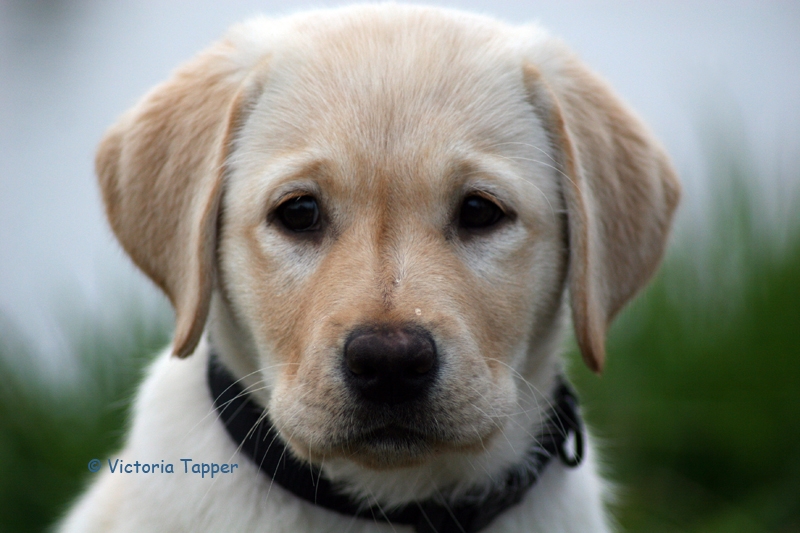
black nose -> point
(390, 365)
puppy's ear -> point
(160, 169)
(619, 189)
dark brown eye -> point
(299, 214)
(478, 212)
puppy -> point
(373, 224)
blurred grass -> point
(55, 417)
(699, 407)
(698, 411)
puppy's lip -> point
(406, 435)
(392, 435)
(390, 446)
(392, 432)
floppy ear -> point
(619, 189)
(160, 169)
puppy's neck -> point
(236, 349)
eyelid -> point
(494, 178)
(288, 192)
(293, 193)
(287, 196)
(488, 195)
(294, 175)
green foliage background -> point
(699, 407)
(698, 411)
(700, 401)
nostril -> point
(390, 364)
(422, 361)
(424, 367)
(357, 366)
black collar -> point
(252, 431)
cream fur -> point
(388, 116)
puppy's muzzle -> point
(390, 365)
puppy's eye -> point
(478, 212)
(299, 214)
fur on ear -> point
(161, 169)
(619, 188)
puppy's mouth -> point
(393, 444)
(389, 446)
(389, 434)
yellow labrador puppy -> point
(373, 224)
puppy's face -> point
(390, 202)
(391, 238)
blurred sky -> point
(69, 68)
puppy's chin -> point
(388, 448)
(377, 450)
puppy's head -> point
(389, 204)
